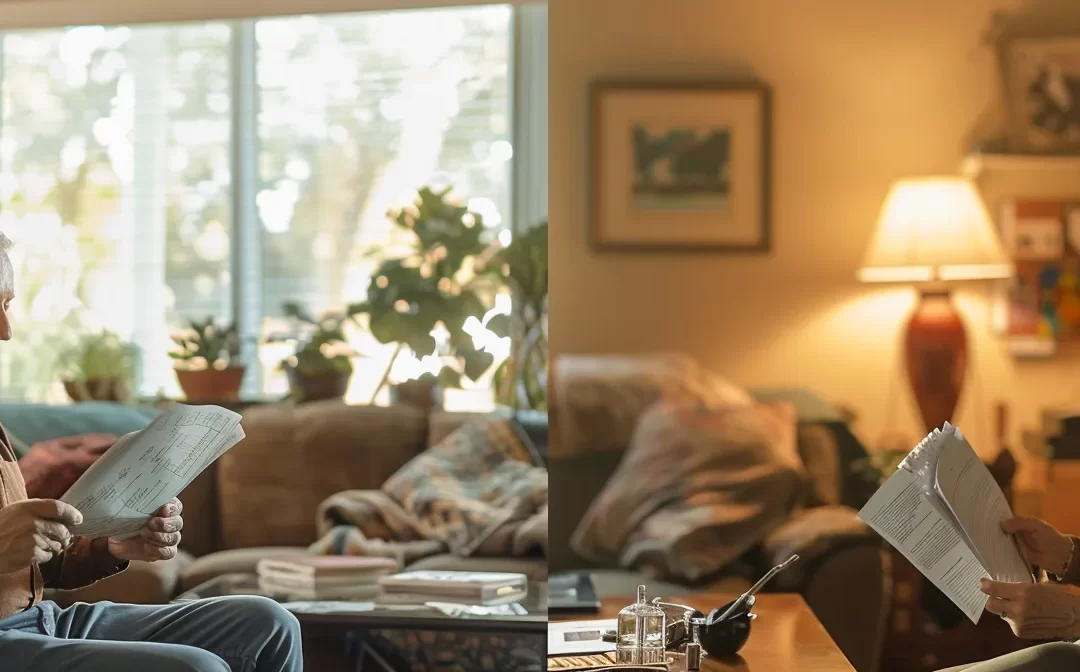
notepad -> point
(942, 509)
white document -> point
(145, 469)
(979, 506)
(942, 510)
(570, 638)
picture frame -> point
(1041, 82)
(680, 166)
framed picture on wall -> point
(1042, 88)
(679, 166)
(1042, 301)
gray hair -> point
(5, 243)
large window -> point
(151, 174)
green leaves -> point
(208, 341)
(102, 356)
(499, 325)
(409, 297)
(323, 346)
(523, 265)
(298, 312)
(445, 231)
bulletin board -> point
(1042, 301)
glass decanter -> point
(640, 633)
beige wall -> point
(864, 92)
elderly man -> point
(37, 550)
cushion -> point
(294, 457)
(599, 399)
(534, 568)
(817, 449)
(30, 423)
(51, 467)
(236, 561)
(201, 519)
(140, 583)
(697, 489)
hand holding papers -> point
(144, 470)
(943, 511)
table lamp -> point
(935, 231)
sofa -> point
(260, 498)
(843, 571)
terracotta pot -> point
(103, 389)
(319, 386)
(425, 394)
(211, 385)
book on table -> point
(942, 509)
(324, 576)
(417, 587)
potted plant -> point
(434, 284)
(522, 266)
(207, 364)
(322, 364)
(100, 367)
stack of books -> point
(324, 577)
(477, 588)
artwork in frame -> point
(1042, 90)
(680, 166)
(1042, 301)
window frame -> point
(527, 132)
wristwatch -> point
(1068, 564)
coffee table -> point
(355, 635)
(785, 637)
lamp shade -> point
(934, 229)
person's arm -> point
(1071, 575)
(83, 563)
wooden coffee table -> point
(786, 637)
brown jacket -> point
(83, 563)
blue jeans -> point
(226, 634)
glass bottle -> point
(641, 633)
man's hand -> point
(1041, 544)
(1035, 610)
(32, 531)
(157, 540)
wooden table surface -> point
(786, 637)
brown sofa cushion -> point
(294, 457)
(201, 523)
(599, 399)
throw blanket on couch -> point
(51, 467)
(697, 488)
(476, 493)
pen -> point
(756, 587)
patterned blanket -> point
(477, 493)
(697, 488)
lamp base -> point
(935, 350)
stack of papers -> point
(119, 493)
(942, 509)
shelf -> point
(976, 164)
